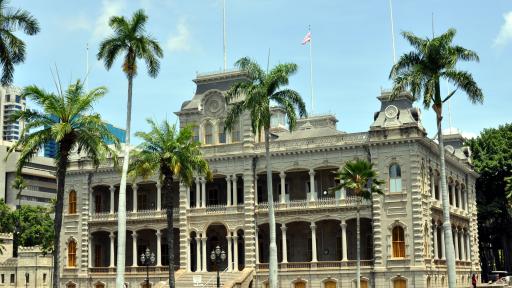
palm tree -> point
(66, 119)
(18, 184)
(12, 49)
(421, 71)
(131, 40)
(255, 96)
(359, 178)
(170, 153)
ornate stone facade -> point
(401, 240)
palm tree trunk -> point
(62, 165)
(358, 248)
(272, 267)
(167, 188)
(121, 210)
(447, 227)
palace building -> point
(402, 244)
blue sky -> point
(352, 51)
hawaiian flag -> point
(307, 38)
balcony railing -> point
(132, 270)
(318, 265)
(130, 215)
(349, 201)
(217, 209)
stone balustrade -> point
(139, 215)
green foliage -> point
(12, 48)
(6, 218)
(260, 93)
(36, 227)
(129, 38)
(492, 159)
(165, 149)
(355, 176)
(19, 184)
(420, 71)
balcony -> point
(130, 215)
(220, 209)
(321, 265)
(132, 270)
(347, 202)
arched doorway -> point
(193, 251)
(216, 235)
(241, 250)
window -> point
(235, 133)
(72, 253)
(195, 132)
(331, 284)
(300, 284)
(99, 285)
(8, 98)
(222, 133)
(44, 277)
(18, 98)
(398, 242)
(399, 283)
(12, 278)
(70, 285)
(27, 278)
(395, 178)
(2, 279)
(208, 133)
(72, 202)
(97, 203)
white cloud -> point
(180, 42)
(109, 8)
(80, 22)
(505, 34)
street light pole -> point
(217, 256)
(147, 258)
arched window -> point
(399, 283)
(299, 284)
(71, 285)
(330, 284)
(222, 133)
(72, 253)
(195, 132)
(398, 242)
(395, 178)
(235, 133)
(208, 133)
(99, 285)
(72, 202)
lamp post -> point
(217, 256)
(147, 258)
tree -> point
(12, 48)
(18, 184)
(36, 227)
(169, 153)
(6, 219)
(492, 159)
(129, 38)
(66, 119)
(256, 97)
(421, 71)
(359, 178)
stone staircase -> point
(209, 279)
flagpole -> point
(87, 66)
(224, 34)
(311, 72)
(392, 30)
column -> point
(112, 246)
(234, 180)
(462, 245)
(235, 241)
(456, 242)
(312, 184)
(465, 199)
(283, 187)
(436, 250)
(158, 196)
(256, 191)
(203, 192)
(134, 188)
(229, 252)
(134, 249)
(198, 253)
(188, 196)
(452, 193)
(443, 255)
(468, 247)
(90, 251)
(313, 242)
(112, 198)
(283, 244)
(205, 257)
(189, 254)
(198, 193)
(159, 248)
(257, 247)
(459, 196)
(344, 240)
(228, 192)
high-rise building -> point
(50, 148)
(10, 101)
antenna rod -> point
(224, 34)
(392, 30)
(268, 59)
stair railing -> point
(214, 277)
